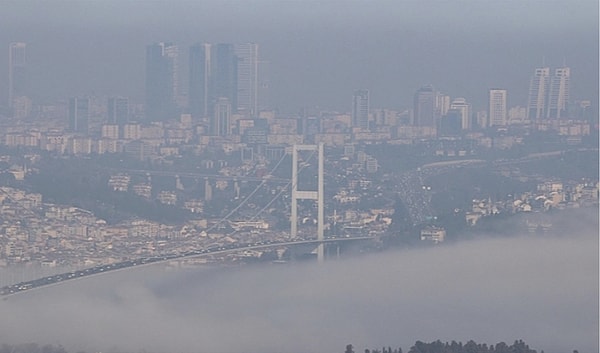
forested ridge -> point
(455, 347)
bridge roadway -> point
(269, 178)
(146, 261)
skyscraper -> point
(118, 111)
(161, 81)
(451, 123)
(79, 115)
(264, 85)
(360, 109)
(223, 71)
(538, 90)
(221, 122)
(247, 78)
(424, 107)
(497, 112)
(16, 72)
(199, 80)
(442, 104)
(558, 95)
(224, 77)
(461, 106)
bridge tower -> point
(317, 195)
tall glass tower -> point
(16, 72)
(558, 97)
(247, 78)
(224, 74)
(424, 107)
(199, 80)
(538, 90)
(161, 81)
(79, 115)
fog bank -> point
(541, 290)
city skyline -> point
(220, 73)
(171, 171)
(228, 70)
(315, 62)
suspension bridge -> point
(293, 240)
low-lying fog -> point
(543, 290)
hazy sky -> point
(543, 290)
(320, 51)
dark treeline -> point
(455, 347)
(419, 347)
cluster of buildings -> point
(50, 235)
(549, 195)
(532, 204)
(548, 101)
(223, 106)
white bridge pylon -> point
(317, 195)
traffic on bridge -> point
(129, 264)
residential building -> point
(497, 107)
(360, 109)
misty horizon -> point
(489, 290)
(318, 53)
(452, 217)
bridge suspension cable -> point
(234, 210)
(283, 189)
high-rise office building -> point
(442, 104)
(213, 75)
(451, 123)
(538, 91)
(221, 121)
(79, 115)
(360, 109)
(247, 78)
(224, 77)
(161, 81)
(200, 80)
(264, 85)
(424, 107)
(497, 111)
(558, 95)
(461, 106)
(17, 76)
(118, 111)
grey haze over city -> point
(445, 218)
(319, 52)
